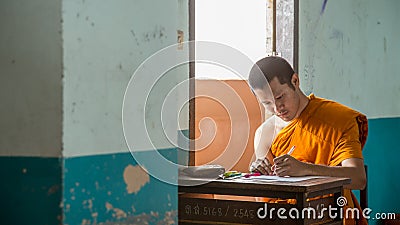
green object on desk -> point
(231, 174)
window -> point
(246, 25)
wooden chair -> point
(364, 193)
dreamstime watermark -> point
(320, 211)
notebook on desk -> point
(286, 179)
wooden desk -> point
(216, 211)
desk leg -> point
(301, 201)
(337, 195)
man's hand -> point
(286, 165)
(352, 168)
(261, 165)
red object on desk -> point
(252, 175)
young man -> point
(327, 137)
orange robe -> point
(325, 133)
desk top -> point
(238, 185)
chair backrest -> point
(364, 193)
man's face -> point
(281, 100)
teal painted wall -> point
(183, 154)
(382, 157)
(349, 52)
(103, 44)
(97, 190)
(64, 69)
(30, 190)
(30, 112)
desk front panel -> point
(219, 211)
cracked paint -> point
(135, 178)
(115, 190)
(118, 213)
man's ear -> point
(295, 80)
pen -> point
(252, 175)
(291, 150)
(289, 153)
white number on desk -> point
(197, 210)
(219, 212)
(188, 209)
(211, 211)
(243, 213)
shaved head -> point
(266, 69)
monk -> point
(325, 138)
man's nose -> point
(278, 105)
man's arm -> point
(263, 138)
(352, 168)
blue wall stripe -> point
(91, 182)
(30, 190)
(381, 154)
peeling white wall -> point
(349, 52)
(30, 78)
(104, 42)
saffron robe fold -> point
(325, 133)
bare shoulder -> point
(272, 125)
(265, 135)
